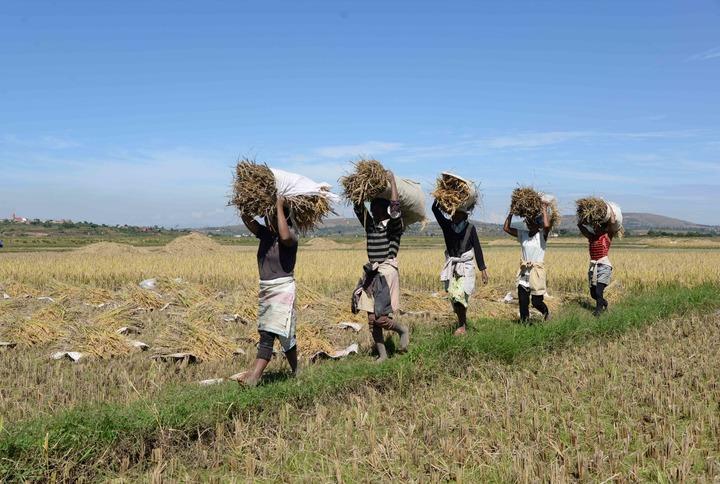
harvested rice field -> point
(611, 411)
(125, 311)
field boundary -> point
(73, 442)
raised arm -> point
(507, 228)
(439, 216)
(546, 220)
(394, 211)
(361, 213)
(286, 236)
(250, 223)
(583, 230)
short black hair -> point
(380, 203)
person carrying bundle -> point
(276, 256)
(378, 291)
(531, 278)
(602, 217)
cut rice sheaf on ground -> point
(197, 339)
(44, 326)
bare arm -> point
(286, 236)
(250, 223)
(509, 230)
(394, 197)
(546, 221)
(584, 230)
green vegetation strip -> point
(32, 449)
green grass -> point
(80, 436)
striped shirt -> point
(599, 246)
(383, 239)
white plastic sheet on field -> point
(334, 355)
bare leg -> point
(461, 313)
(292, 359)
(378, 339)
(253, 376)
(403, 332)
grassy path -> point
(71, 443)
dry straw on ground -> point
(192, 243)
(108, 249)
(367, 181)
(591, 211)
(197, 339)
(452, 193)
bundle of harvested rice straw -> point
(367, 181)
(255, 193)
(592, 211)
(526, 202)
(453, 193)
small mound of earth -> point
(108, 248)
(320, 243)
(192, 243)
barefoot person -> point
(600, 271)
(531, 278)
(462, 252)
(276, 315)
(378, 292)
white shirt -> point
(533, 248)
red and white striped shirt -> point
(599, 246)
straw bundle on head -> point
(452, 193)
(526, 203)
(254, 191)
(308, 211)
(591, 211)
(368, 181)
(255, 194)
(554, 213)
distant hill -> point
(639, 223)
(635, 223)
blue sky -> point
(134, 112)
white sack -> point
(412, 200)
(291, 184)
(472, 199)
(615, 209)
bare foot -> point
(461, 331)
(380, 359)
(245, 379)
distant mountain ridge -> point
(637, 223)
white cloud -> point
(713, 53)
(351, 151)
(532, 140)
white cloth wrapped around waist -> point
(276, 306)
(463, 266)
(594, 267)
